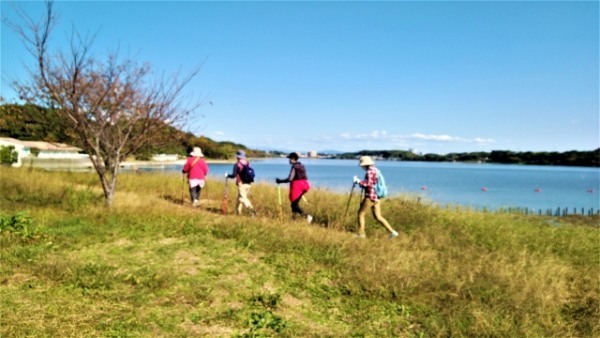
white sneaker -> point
(360, 236)
(309, 218)
(394, 234)
(196, 203)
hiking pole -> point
(205, 193)
(182, 189)
(225, 196)
(279, 198)
(349, 199)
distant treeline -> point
(569, 158)
(32, 123)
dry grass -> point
(152, 266)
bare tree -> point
(113, 106)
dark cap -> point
(293, 156)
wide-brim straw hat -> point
(240, 154)
(365, 161)
(197, 152)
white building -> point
(55, 150)
(312, 154)
(165, 157)
(47, 150)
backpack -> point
(380, 187)
(247, 174)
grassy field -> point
(153, 266)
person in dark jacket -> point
(299, 185)
(243, 187)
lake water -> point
(491, 186)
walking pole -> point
(279, 198)
(225, 196)
(205, 192)
(349, 199)
(182, 189)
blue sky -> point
(434, 77)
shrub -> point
(20, 224)
(8, 155)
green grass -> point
(153, 266)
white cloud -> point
(382, 136)
(373, 136)
(484, 140)
(442, 138)
(376, 134)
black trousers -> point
(195, 193)
(296, 206)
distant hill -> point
(331, 152)
(303, 151)
(569, 158)
(32, 123)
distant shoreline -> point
(176, 162)
(85, 163)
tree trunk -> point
(108, 178)
(109, 197)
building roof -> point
(41, 145)
(52, 146)
(12, 141)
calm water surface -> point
(476, 185)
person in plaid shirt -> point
(370, 200)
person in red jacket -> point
(196, 169)
(298, 181)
